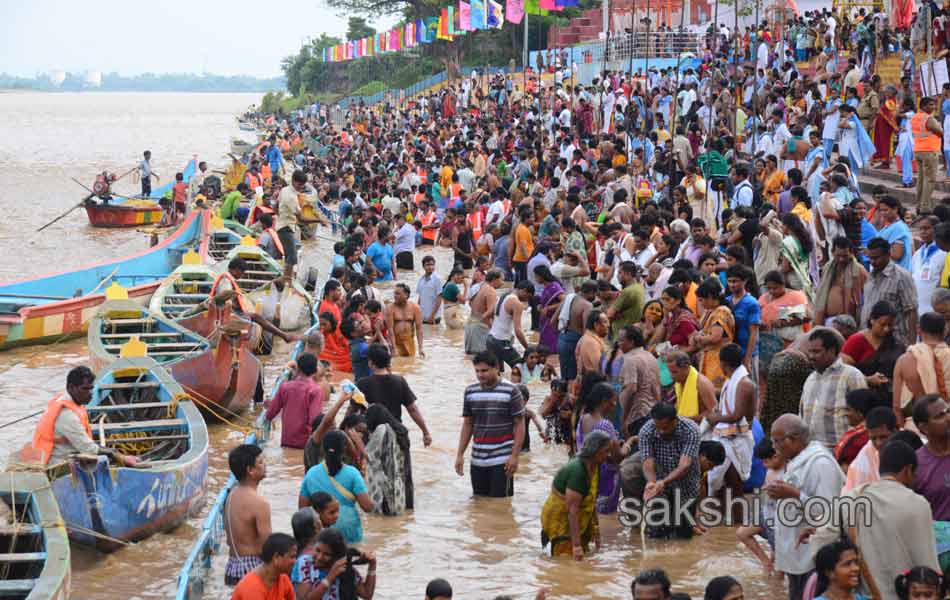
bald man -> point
(811, 472)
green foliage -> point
(357, 28)
(373, 87)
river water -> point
(483, 547)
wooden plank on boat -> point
(20, 529)
(187, 296)
(127, 406)
(22, 557)
(181, 345)
(13, 586)
(141, 335)
(125, 386)
(137, 425)
(148, 438)
(128, 321)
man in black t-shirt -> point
(392, 391)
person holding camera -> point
(330, 573)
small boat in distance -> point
(36, 563)
(55, 307)
(137, 408)
(121, 211)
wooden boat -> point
(245, 126)
(136, 408)
(55, 307)
(261, 268)
(183, 290)
(120, 211)
(36, 562)
(221, 240)
(239, 147)
(208, 353)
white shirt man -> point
(926, 267)
(496, 212)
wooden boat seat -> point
(148, 438)
(20, 529)
(268, 273)
(22, 557)
(16, 586)
(142, 426)
(127, 406)
(181, 345)
(156, 334)
(198, 297)
(128, 385)
(128, 321)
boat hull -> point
(48, 312)
(33, 491)
(128, 504)
(114, 216)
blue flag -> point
(479, 14)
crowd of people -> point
(734, 333)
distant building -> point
(93, 79)
(57, 77)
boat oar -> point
(70, 210)
(105, 279)
(29, 416)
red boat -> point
(119, 211)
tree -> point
(379, 8)
(357, 29)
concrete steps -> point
(891, 181)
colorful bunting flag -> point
(465, 16)
(432, 29)
(533, 8)
(514, 11)
(443, 31)
(547, 5)
(479, 14)
(496, 14)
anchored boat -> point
(121, 211)
(55, 307)
(219, 371)
(35, 564)
(137, 408)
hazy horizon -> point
(169, 37)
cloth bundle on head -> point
(594, 441)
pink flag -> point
(548, 5)
(514, 11)
(465, 16)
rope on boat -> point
(96, 534)
(214, 408)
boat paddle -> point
(71, 209)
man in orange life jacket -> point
(225, 288)
(269, 241)
(64, 428)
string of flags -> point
(452, 22)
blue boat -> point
(36, 563)
(121, 211)
(136, 408)
(54, 307)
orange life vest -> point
(924, 141)
(426, 220)
(256, 213)
(475, 220)
(276, 240)
(422, 175)
(44, 438)
(455, 191)
(507, 206)
(266, 172)
(242, 301)
(253, 180)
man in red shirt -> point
(301, 400)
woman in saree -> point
(813, 166)
(775, 180)
(885, 126)
(678, 324)
(718, 329)
(793, 255)
(569, 518)
(549, 303)
(895, 231)
(875, 350)
(784, 312)
(598, 405)
(388, 467)
(341, 481)
(653, 314)
(336, 349)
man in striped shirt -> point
(493, 420)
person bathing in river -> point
(404, 321)
(246, 513)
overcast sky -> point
(225, 37)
